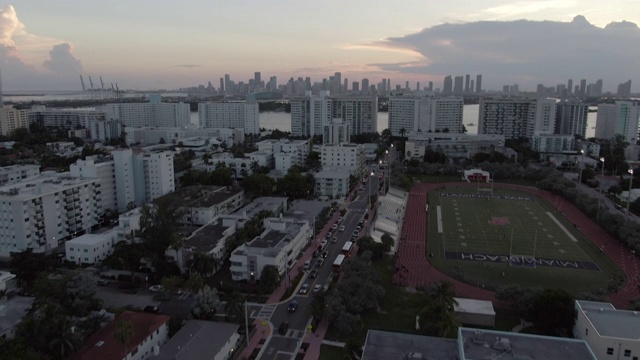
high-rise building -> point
(571, 117)
(457, 85)
(569, 86)
(516, 118)
(478, 83)
(257, 77)
(153, 113)
(430, 86)
(359, 112)
(97, 124)
(221, 90)
(12, 119)
(447, 87)
(310, 113)
(355, 87)
(336, 132)
(598, 89)
(417, 114)
(467, 83)
(624, 89)
(583, 87)
(621, 118)
(244, 115)
(365, 86)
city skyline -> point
(149, 45)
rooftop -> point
(474, 306)
(36, 187)
(103, 345)
(383, 345)
(200, 196)
(93, 238)
(194, 340)
(610, 322)
(488, 344)
(12, 311)
(269, 203)
(207, 237)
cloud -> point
(9, 23)
(188, 66)
(547, 51)
(62, 61)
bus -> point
(338, 263)
(346, 249)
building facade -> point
(331, 183)
(515, 117)
(452, 144)
(343, 157)
(243, 115)
(16, 173)
(336, 132)
(420, 114)
(359, 112)
(309, 113)
(571, 117)
(621, 118)
(12, 119)
(149, 114)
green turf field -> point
(509, 236)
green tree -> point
(205, 304)
(123, 334)
(65, 341)
(269, 279)
(553, 312)
(202, 264)
(257, 184)
(234, 307)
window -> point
(627, 353)
(609, 351)
(586, 331)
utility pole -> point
(629, 192)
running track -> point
(413, 269)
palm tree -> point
(65, 340)
(206, 158)
(202, 264)
(177, 242)
(234, 307)
(123, 334)
(443, 294)
(402, 132)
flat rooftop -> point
(487, 344)
(12, 311)
(472, 306)
(610, 322)
(39, 186)
(195, 340)
(207, 237)
(200, 196)
(384, 345)
(269, 203)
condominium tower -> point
(621, 118)
(234, 115)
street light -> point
(581, 167)
(629, 193)
(600, 186)
(369, 195)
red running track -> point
(413, 269)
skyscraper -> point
(624, 89)
(447, 87)
(467, 83)
(515, 118)
(478, 83)
(571, 117)
(365, 86)
(257, 77)
(457, 85)
(569, 86)
(583, 87)
(422, 114)
(621, 118)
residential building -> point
(332, 183)
(516, 117)
(624, 89)
(12, 311)
(219, 341)
(153, 113)
(553, 143)
(611, 333)
(12, 119)
(286, 153)
(243, 115)
(210, 239)
(309, 113)
(343, 157)
(416, 114)
(94, 121)
(336, 132)
(452, 144)
(243, 166)
(16, 173)
(154, 135)
(620, 118)
(278, 246)
(41, 213)
(91, 248)
(7, 281)
(150, 332)
(571, 117)
(201, 204)
(102, 169)
(359, 112)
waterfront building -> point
(243, 115)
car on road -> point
(103, 282)
(334, 240)
(341, 228)
(325, 254)
(313, 274)
(340, 219)
(293, 305)
(304, 289)
(317, 288)
(283, 328)
(156, 288)
(315, 254)
(329, 235)
(320, 262)
(334, 227)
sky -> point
(160, 44)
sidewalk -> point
(275, 297)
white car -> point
(304, 289)
(317, 288)
(341, 228)
(156, 288)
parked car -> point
(340, 219)
(304, 289)
(103, 282)
(317, 288)
(334, 227)
(152, 309)
(325, 254)
(156, 288)
(293, 305)
(283, 328)
(320, 262)
(316, 253)
(313, 274)
(341, 228)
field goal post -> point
(485, 185)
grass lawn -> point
(328, 352)
(512, 237)
(456, 178)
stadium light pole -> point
(581, 167)
(629, 192)
(369, 195)
(600, 187)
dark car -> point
(103, 282)
(283, 328)
(293, 305)
(315, 253)
(325, 254)
(151, 309)
(313, 274)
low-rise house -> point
(199, 339)
(11, 313)
(201, 204)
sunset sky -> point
(151, 44)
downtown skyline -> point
(153, 45)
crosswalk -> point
(264, 312)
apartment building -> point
(94, 121)
(571, 117)
(359, 112)
(309, 113)
(451, 144)
(154, 113)
(243, 115)
(331, 183)
(12, 119)
(621, 118)
(156, 135)
(420, 114)
(516, 117)
(553, 143)
(16, 173)
(102, 169)
(279, 245)
(201, 204)
(336, 132)
(343, 157)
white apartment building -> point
(610, 333)
(286, 153)
(150, 114)
(452, 144)
(515, 118)
(336, 132)
(95, 122)
(155, 135)
(343, 157)
(17, 173)
(571, 117)
(40, 214)
(621, 118)
(279, 245)
(331, 183)
(241, 166)
(244, 115)
(309, 114)
(553, 143)
(419, 114)
(12, 119)
(201, 204)
(102, 169)
(90, 248)
(359, 112)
